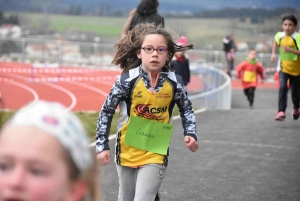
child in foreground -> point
(146, 92)
(248, 71)
(45, 156)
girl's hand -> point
(273, 57)
(191, 143)
(104, 157)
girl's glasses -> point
(160, 50)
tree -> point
(35, 9)
(44, 24)
(12, 19)
(74, 10)
(1, 17)
(7, 46)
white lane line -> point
(112, 137)
(32, 91)
(21, 77)
(90, 87)
(43, 70)
(105, 82)
(73, 97)
(72, 78)
(74, 100)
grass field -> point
(61, 23)
(89, 121)
(203, 32)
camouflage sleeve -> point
(117, 94)
(186, 111)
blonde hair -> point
(130, 45)
(62, 124)
(90, 176)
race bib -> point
(249, 76)
(287, 55)
(148, 135)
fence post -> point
(42, 52)
(216, 53)
(261, 58)
(95, 48)
(23, 49)
(59, 52)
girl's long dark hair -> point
(128, 47)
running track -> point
(79, 89)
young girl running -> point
(45, 156)
(146, 92)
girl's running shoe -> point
(280, 116)
(295, 113)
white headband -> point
(65, 126)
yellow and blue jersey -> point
(136, 97)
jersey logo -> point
(163, 95)
(138, 95)
(149, 113)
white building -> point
(10, 30)
(68, 51)
(242, 47)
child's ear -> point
(138, 54)
(78, 190)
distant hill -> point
(120, 7)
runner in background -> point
(248, 71)
(228, 46)
(180, 63)
(146, 11)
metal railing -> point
(56, 51)
(215, 89)
(219, 58)
(97, 54)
